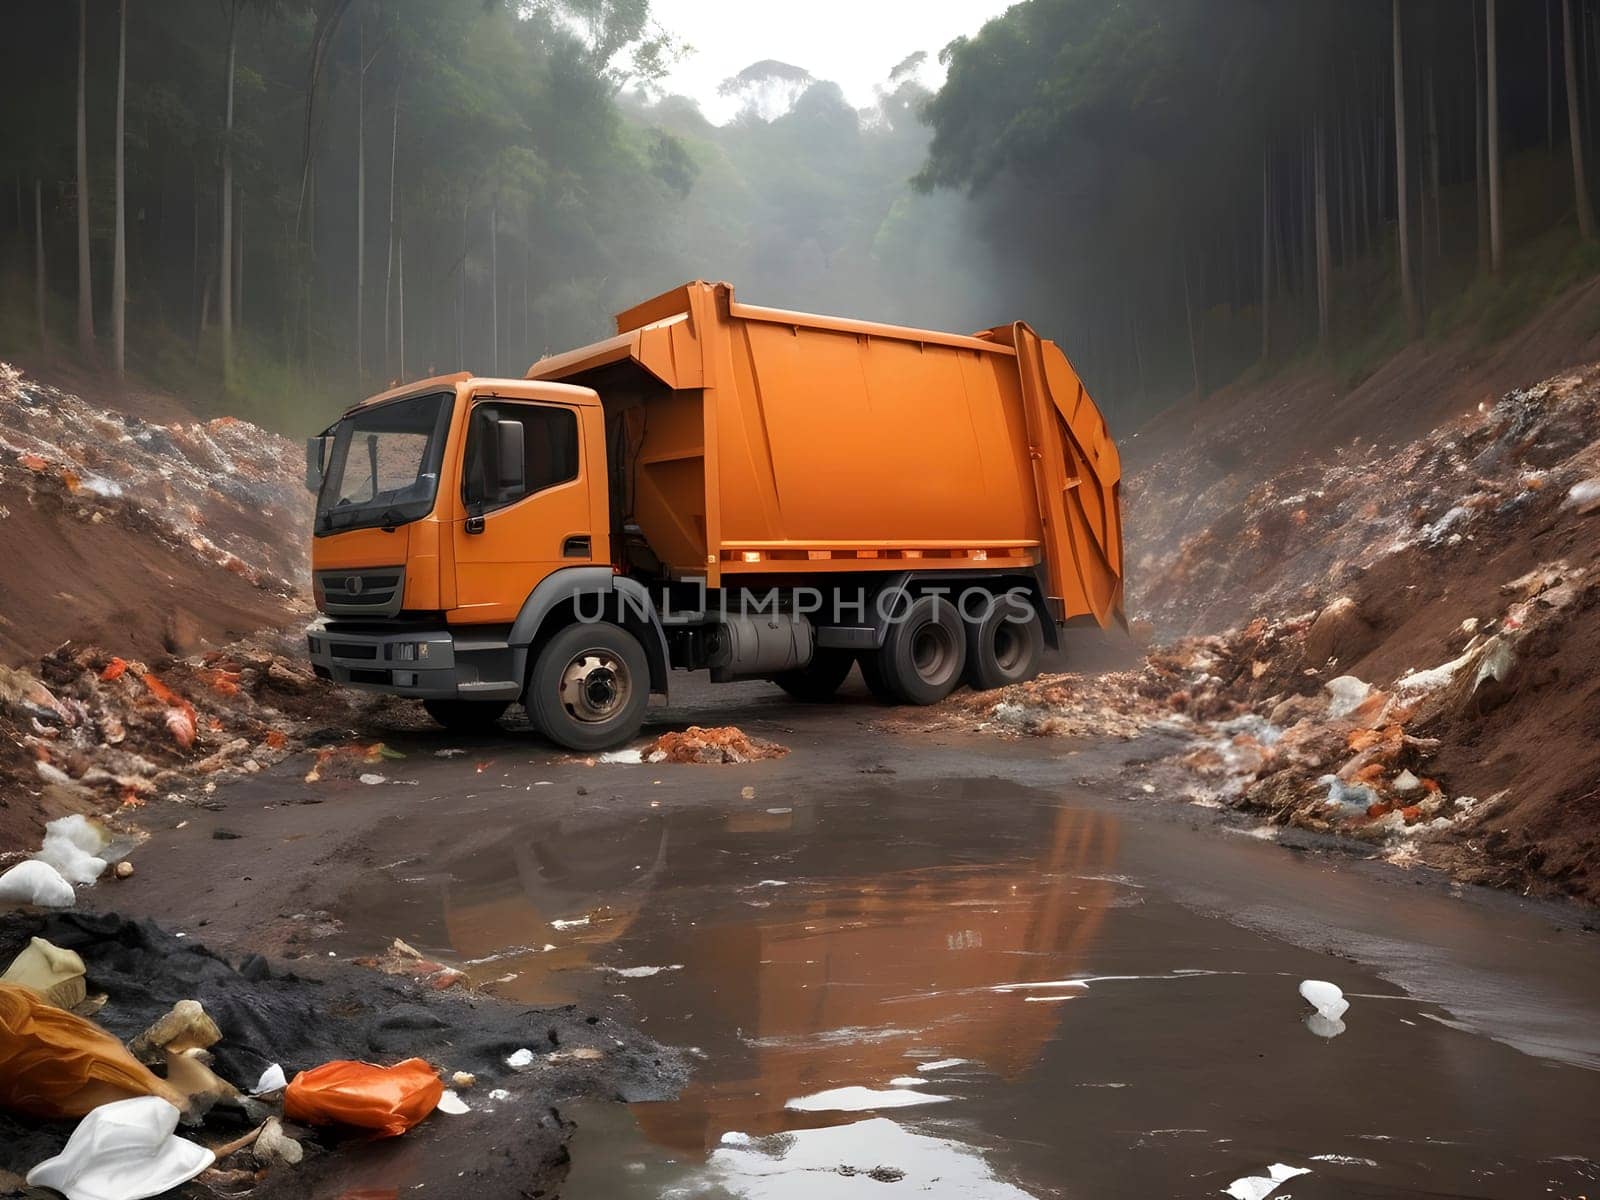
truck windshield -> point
(384, 467)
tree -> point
(1580, 178)
(1408, 286)
(225, 241)
(119, 262)
(85, 273)
(38, 261)
(1492, 118)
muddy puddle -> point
(971, 989)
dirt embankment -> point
(1395, 638)
(150, 538)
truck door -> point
(514, 535)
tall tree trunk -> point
(119, 257)
(194, 274)
(1194, 336)
(1408, 287)
(238, 268)
(1549, 81)
(388, 273)
(400, 261)
(1492, 119)
(1481, 152)
(1324, 248)
(225, 240)
(1266, 260)
(1580, 180)
(85, 275)
(38, 260)
(1434, 173)
(494, 284)
(361, 191)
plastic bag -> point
(54, 1064)
(35, 882)
(47, 969)
(388, 1100)
(123, 1151)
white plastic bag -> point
(35, 882)
(123, 1151)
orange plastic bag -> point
(389, 1100)
(54, 1064)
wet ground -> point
(938, 965)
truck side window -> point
(549, 447)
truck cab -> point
(441, 508)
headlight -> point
(403, 652)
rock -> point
(273, 1146)
(286, 679)
(464, 1079)
(1339, 633)
(1346, 694)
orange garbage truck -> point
(759, 493)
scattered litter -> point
(35, 882)
(1584, 496)
(185, 1027)
(372, 780)
(274, 1146)
(272, 1080)
(724, 744)
(943, 1064)
(123, 1151)
(1258, 1187)
(1325, 997)
(622, 756)
(54, 1064)
(574, 923)
(464, 1080)
(861, 1099)
(452, 1104)
(1346, 695)
(519, 1060)
(386, 1100)
(449, 753)
(641, 972)
(50, 971)
(1344, 1160)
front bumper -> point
(424, 663)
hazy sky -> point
(856, 43)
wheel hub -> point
(595, 686)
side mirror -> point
(316, 460)
(510, 471)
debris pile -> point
(224, 490)
(723, 744)
(92, 732)
(251, 1078)
(1312, 530)
(1121, 704)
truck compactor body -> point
(760, 493)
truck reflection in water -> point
(800, 949)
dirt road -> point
(987, 969)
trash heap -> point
(92, 732)
(224, 490)
(1310, 531)
(722, 744)
(133, 1061)
(1120, 704)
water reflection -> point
(811, 952)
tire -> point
(1002, 650)
(589, 687)
(925, 653)
(872, 675)
(818, 680)
(466, 716)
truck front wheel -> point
(589, 687)
(466, 716)
(820, 678)
(924, 653)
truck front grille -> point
(373, 592)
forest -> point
(284, 203)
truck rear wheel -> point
(1003, 649)
(466, 716)
(589, 687)
(924, 654)
(820, 678)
